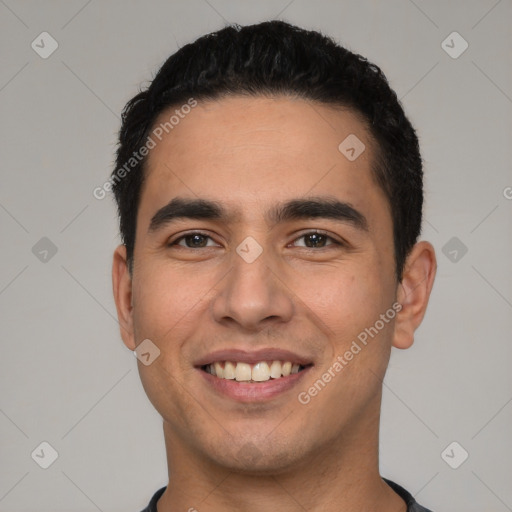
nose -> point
(253, 295)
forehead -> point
(260, 125)
(256, 151)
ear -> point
(414, 292)
(122, 286)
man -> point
(269, 188)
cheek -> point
(351, 302)
(347, 301)
(166, 305)
(360, 342)
(165, 300)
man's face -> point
(254, 282)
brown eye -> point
(192, 241)
(316, 240)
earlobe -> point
(122, 287)
(414, 292)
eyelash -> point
(314, 232)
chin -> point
(256, 457)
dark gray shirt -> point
(412, 506)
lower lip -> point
(254, 392)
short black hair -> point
(276, 58)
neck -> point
(338, 476)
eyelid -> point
(172, 242)
(335, 240)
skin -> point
(249, 154)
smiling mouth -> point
(262, 371)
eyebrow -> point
(295, 209)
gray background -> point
(66, 378)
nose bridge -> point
(251, 292)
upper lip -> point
(252, 357)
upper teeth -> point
(259, 372)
